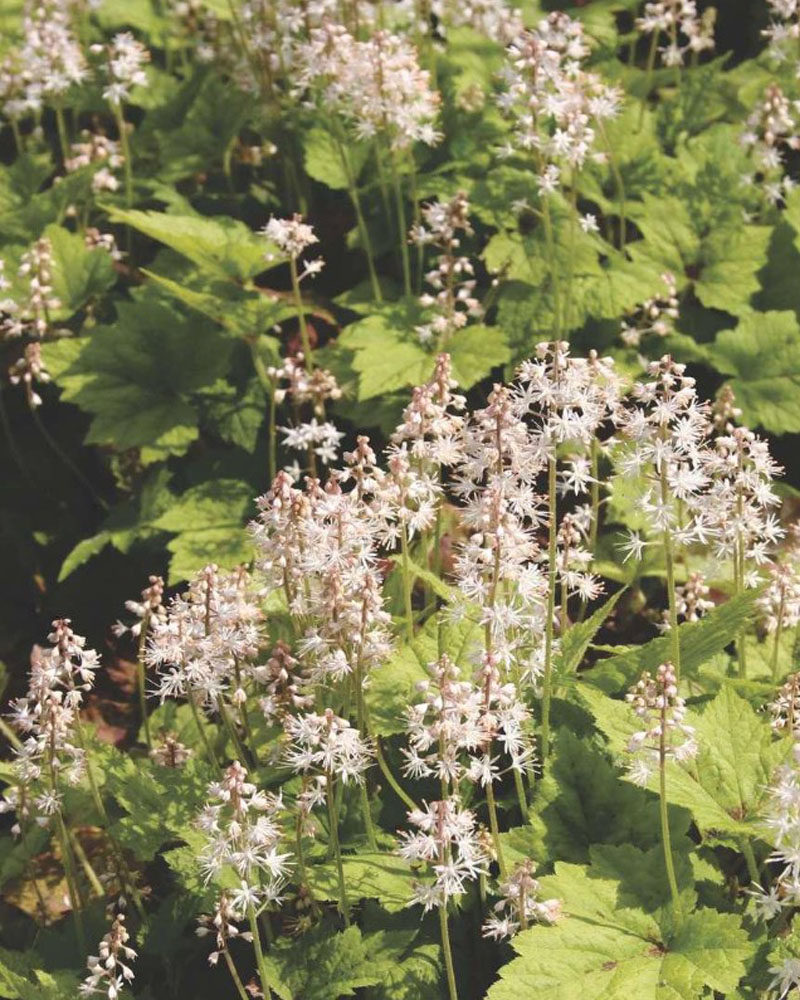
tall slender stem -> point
(402, 225)
(260, 961)
(648, 78)
(362, 225)
(618, 181)
(409, 611)
(333, 822)
(212, 757)
(495, 829)
(62, 455)
(122, 128)
(778, 631)
(63, 141)
(447, 951)
(669, 558)
(72, 883)
(665, 834)
(301, 314)
(86, 864)
(394, 784)
(237, 982)
(750, 860)
(547, 692)
(358, 684)
(141, 678)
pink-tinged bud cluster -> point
(109, 971)
(772, 132)
(452, 296)
(520, 904)
(686, 30)
(665, 735)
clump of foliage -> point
(431, 366)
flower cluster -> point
(495, 19)
(327, 745)
(656, 702)
(49, 62)
(452, 732)
(786, 708)
(243, 834)
(691, 599)
(292, 237)
(654, 317)
(519, 904)
(686, 29)
(149, 610)
(779, 602)
(204, 646)
(96, 149)
(222, 924)
(47, 718)
(783, 823)
(124, 67)
(316, 386)
(376, 86)
(556, 106)
(108, 970)
(447, 839)
(452, 280)
(432, 423)
(772, 131)
(319, 547)
(31, 316)
(784, 29)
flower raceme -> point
(504, 476)
(665, 735)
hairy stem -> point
(547, 692)
(333, 822)
(495, 829)
(669, 558)
(447, 952)
(665, 834)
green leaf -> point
(385, 877)
(238, 418)
(16, 855)
(719, 258)
(579, 636)
(725, 787)
(763, 355)
(20, 979)
(221, 247)
(385, 357)
(79, 273)
(391, 688)
(208, 522)
(135, 377)
(126, 524)
(161, 804)
(738, 756)
(323, 160)
(607, 948)
(320, 965)
(699, 641)
(242, 312)
(581, 801)
(475, 351)
(732, 256)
